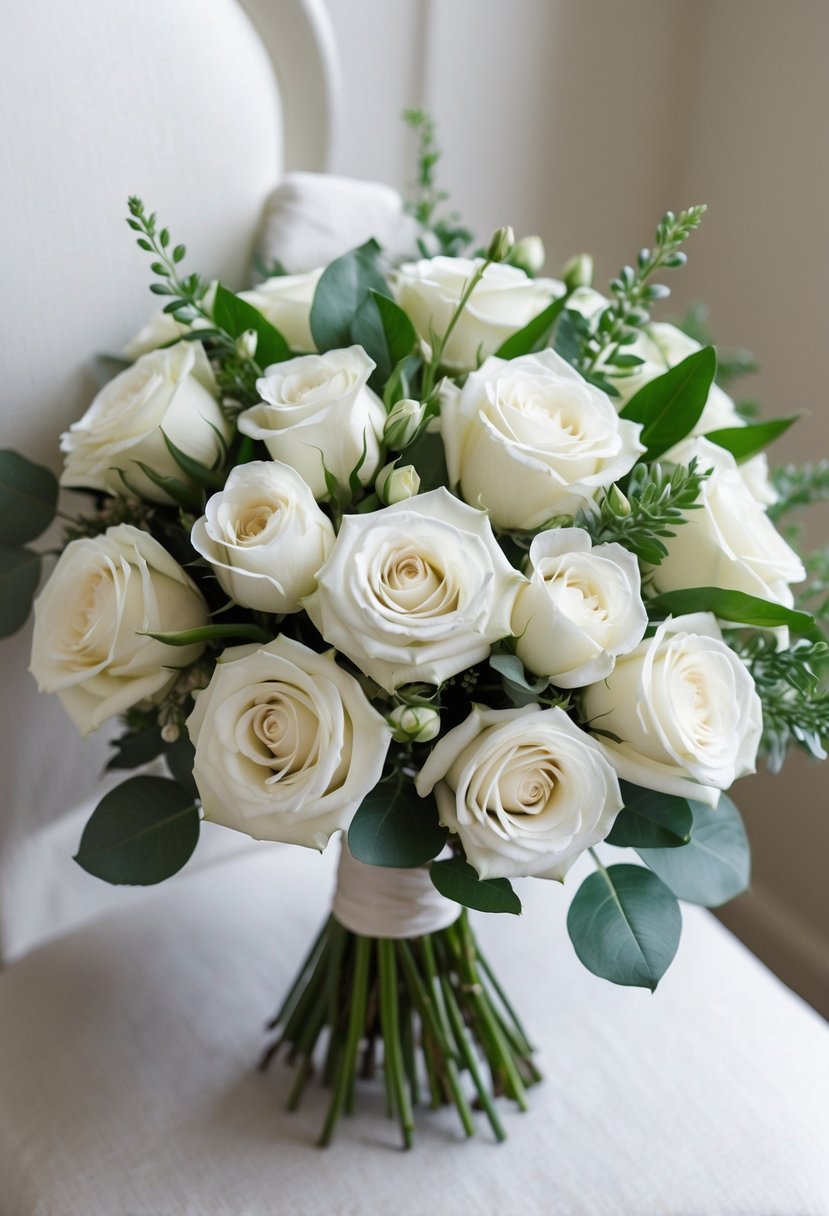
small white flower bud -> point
(579, 271)
(414, 723)
(402, 423)
(501, 244)
(528, 254)
(246, 344)
(394, 485)
(617, 501)
(170, 732)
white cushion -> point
(128, 1085)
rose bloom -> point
(581, 608)
(526, 790)
(529, 438)
(317, 412)
(728, 541)
(285, 300)
(104, 594)
(287, 746)
(416, 591)
(264, 536)
(168, 390)
(503, 302)
(685, 711)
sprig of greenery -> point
(186, 294)
(447, 232)
(653, 506)
(799, 486)
(633, 293)
(792, 690)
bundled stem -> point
(434, 1005)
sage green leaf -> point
(736, 606)
(19, 579)
(744, 442)
(455, 879)
(140, 833)
(624, 924)
(535, 335)
(236, 316)
(28, 498)
(395, 827)
(670, 406)
(651, 820)
(715, 865)
(341, 291)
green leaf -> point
(670, 406)
(210, 478)
(140, 833)
(212, 633)
(385, 333)
(133, 750)
(235, 316)
(342, 289)
(395, 827)
(182, 494)
(735, 606)
(428, 457)
(715, 865)
(651, 820)
(745, 441)
(536, 333)
(455, 879)
(28, 498)
(624, 924)
(19, 578)
(180, 757)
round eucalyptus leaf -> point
(19, 579)
(715, 865)
(28, 498)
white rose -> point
(317, 409)
(104, 593)
(417, 591)
(529, 438)
(264, 536)
(727, 541)
(581, 608)
(287, 746)
(285, 300)
(396, 484)
(414, 723)
(503, 302)
(170, 391)
(525, 789)
(685, 709)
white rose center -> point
(280, 732)
(412, 582)
(92, 619)
(577, 596)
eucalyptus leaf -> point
(395, 827)
(535, 335)
(140, 747)
(651, 820)
(625, 924)
(236, 316)
(342, 289)
(736, 606)
(140, 833)
(28, 498)
(19, 579)
(743, 442)
(456, 879)
(386, 334)
(670, 406)
(715, 865)
(180, 757)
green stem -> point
(356, 1022)
(390, 1022)
(440, 346)
(468, 1056)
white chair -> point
(127, 1045)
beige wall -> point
(584, 120)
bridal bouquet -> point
(476, 568)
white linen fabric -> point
(128, 1085)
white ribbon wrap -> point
(378, 901)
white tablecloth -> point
(127, 1081)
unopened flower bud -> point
(617, 502)
(502, 242)
(528, 254)
(414, 723)
(579, 271)
(393, 485)
(246, 344)
(402, 424)
(170, 732)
